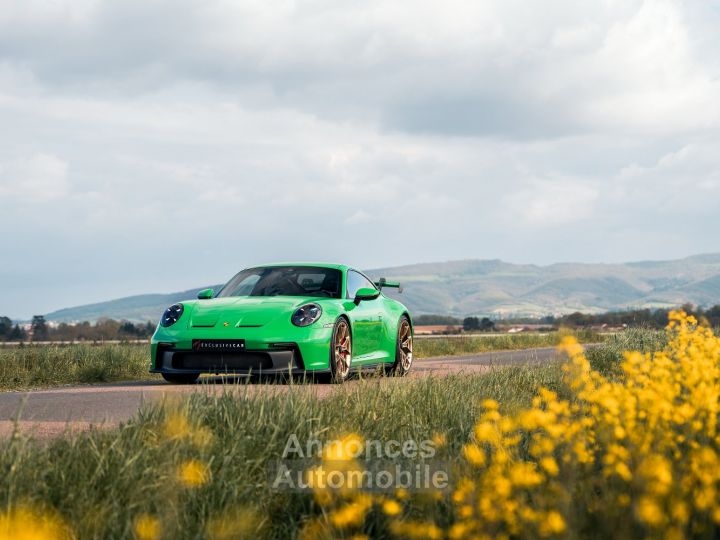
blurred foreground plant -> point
(632, 456)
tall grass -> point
(30, 366)
(469, 344)
(101, 481)
(606, 358)
(33, 366)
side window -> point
(356, 281)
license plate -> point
(218, 345)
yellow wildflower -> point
(177, 426)
(474, 455)
(346, 448)
(549, 465)
(490, 405)
(25, 523)
(553, 523)
(716, 515)
(649, 511)
(193, 473)
(412, 529)
(147, 527)
(486, 432)
(525, 475)
(244, 522)
(391, 507)
(351, 514)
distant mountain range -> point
(494, 287)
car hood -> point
(243, 310)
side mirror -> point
(205, 294)
(366, 293)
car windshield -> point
(285, 281)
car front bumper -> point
(281, 348)
(281, 358)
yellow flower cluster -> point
(193, 473)
(640, 453)
(27, 523)
(147, 527)
(338, 458)
(635, 456)
(346, 507)
(177, 427)
(237, 523)
(179, 430)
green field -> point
(100, 482)
(198, 467)
(471, 344)
(36, 366)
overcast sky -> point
(152, 146)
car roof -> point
(335, 266)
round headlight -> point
(306, 315)
(171, 315)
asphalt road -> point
(53, 411)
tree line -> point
(653, 318)
(109, 329)
(102, 330)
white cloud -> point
(358, 218)
(548, 203)
(243, 132)
(39, 177)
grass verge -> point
(37, 366)
(103, 484)
(607, 357)
(200, 467)
(449, 346)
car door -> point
(365, 319)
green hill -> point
(494, 287)
(143, 307)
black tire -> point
(403, 348)
(181, 378)
(340, 351)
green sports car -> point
(289, 318)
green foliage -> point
(436, 320)
(101, 481)
(448, 346)
(39, 328)
(637, 318)
(606, 358)
(103, 329)
(475, 323)
(471, 323)
(33, 366)
(5, 327)
(29, 366)
(17, 334)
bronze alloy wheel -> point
(342, 351)
(405, 339)
(403, 349)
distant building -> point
(437, 329)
